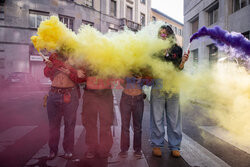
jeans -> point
(98, 103)
(131, 105)
(169, 104)
(57, 109)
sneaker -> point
(89, 155)
(68, 155)
(52, 155)
(157, 152)
(175, 153)
(123, 154)
(138, 154)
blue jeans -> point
(169, 104)
(131, 106)
(57, 109)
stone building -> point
(231, 15)
(19, 20)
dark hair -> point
(168, 29)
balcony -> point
(130, 24)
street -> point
(24, 135)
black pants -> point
(98, 103)
(58, 109)
(131, 105)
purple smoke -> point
(222, 37)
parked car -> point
(21, 80)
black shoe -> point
(52, 155)
(123, 154)
(138, 154)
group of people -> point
(63, 101)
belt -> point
(133, 97)
(61, 90)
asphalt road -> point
(24, 135)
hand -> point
(185, 57)
(80, 74)
(64, 70)
(48, 63)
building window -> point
(247, 34)
(88, 3)
(113, 8)
(36, 17)
(153, 18)
(175, 30)
(213, 14)
(112, 30)
(143, 1)
(195, 25)
(1, 11)
(179, 32)
(213, 53)
(194, 53)
(142, 19)
(88, 23)
(68, 21)
(2, 63)
(129, 13)
(238, 4)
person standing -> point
(62, 102)
(167, 102)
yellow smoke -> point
(225, 87)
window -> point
(194, 53)
(238, 4)
(175, 30)
(143, 1)
(1, 11)
(179, 32)
(88, 23)
(113, 8)
(88, 3)
(142, 19)
(213, 14)
(247, 34)
(68, 21)
(112, 30)
(213, 53)
(2, 63)
(129, 13)
(195, 25)
(153, 18)
(36, 17)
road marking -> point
(227, 137)
(44, 151)
(9, 136)
(196, 155)
(131, 160)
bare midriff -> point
(61, 80)
(132, 89)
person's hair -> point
(169, 30)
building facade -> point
(177, 27)
(19, 20)
(231, 15)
